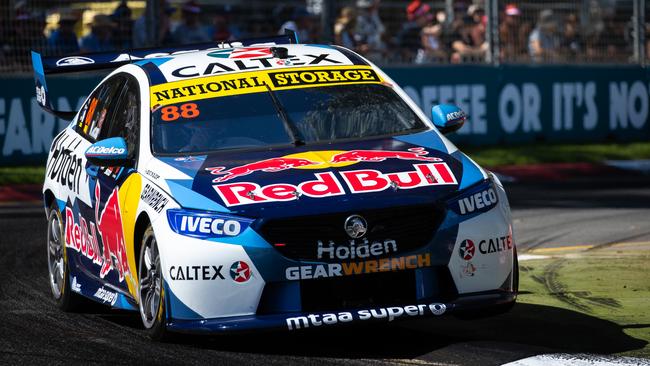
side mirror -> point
(108, 152)
(448, 118)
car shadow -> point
(526, 330)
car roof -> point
(219, 61)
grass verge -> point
(22, 175)
(609, 285)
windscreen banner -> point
(505, 105)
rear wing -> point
(49, 65)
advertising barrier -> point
(505, 104)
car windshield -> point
(321, 114)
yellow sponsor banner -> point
(255, 82)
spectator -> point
(301, 23)
(222, 29)
(571, 38)
(469, 44)
(592, 28)
(63, 40)
(191, 30)
(27, 36)
(513, 34)
(123, 26)
(344, 28)
(163, 36)
(369, 29)
(543, 42)
(432, 48)
(100, 38)
(409, 37)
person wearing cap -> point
(369, 29)
(63, 40)
(191, 30)
(100, 38)
(163, 36)
(513, 34)
(469, 43)
(409, 38)
(543, 41)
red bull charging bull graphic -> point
(353, 156)
(269, 165)
(109, 224)
(416, 153)
(84, 235)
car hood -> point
(313, 179)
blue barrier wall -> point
(506, 104)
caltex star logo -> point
(467, 249)
(240, 271)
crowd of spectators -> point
(421, 32)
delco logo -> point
(480, 201)
(456, 115)
(328, 185)
(102, 150)
(206, 226)
(365, 249)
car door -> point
(112, 191)
(93, 224)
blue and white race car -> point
(266, 184)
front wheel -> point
(57, 263)
(151, 290)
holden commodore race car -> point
(266, 184)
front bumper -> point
(277, 288)
(297, 321)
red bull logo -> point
(81, 237)
(269, 165)
(297, 161)
(109, 224)
(327, 184)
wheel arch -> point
(48, 198)
(141, 224)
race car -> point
(266, 184)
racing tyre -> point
(151, 289)
(57, 263)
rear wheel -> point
(151, 290)
(57, 263)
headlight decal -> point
(480, 198)
(206, 225)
